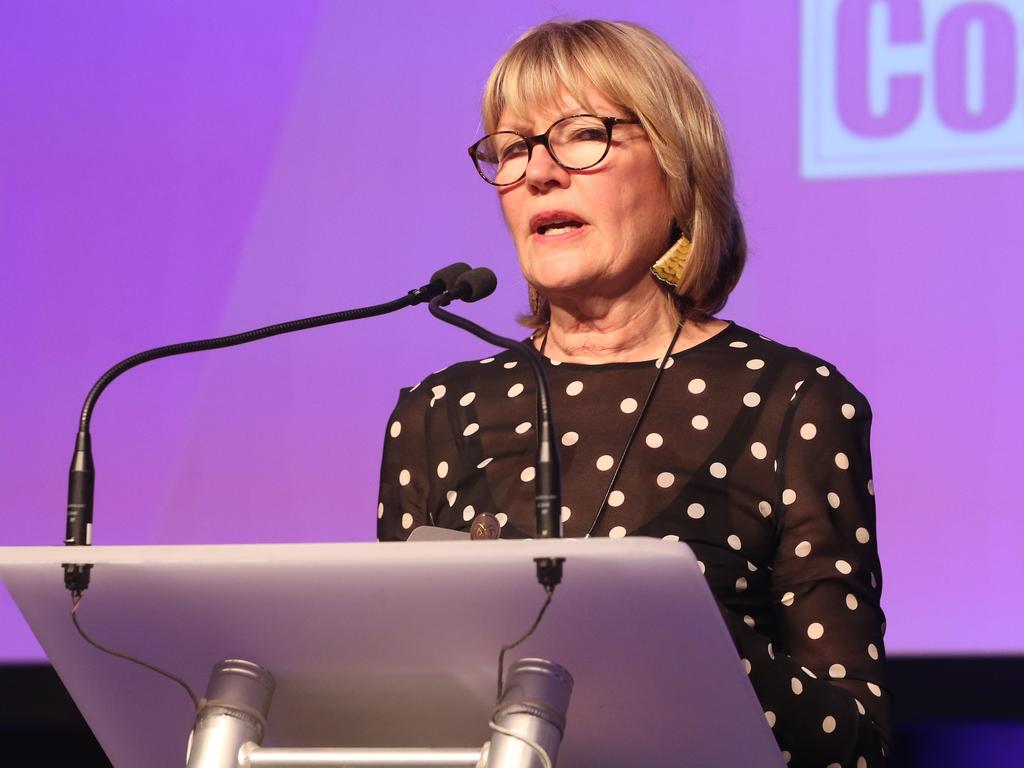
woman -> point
(605, 151)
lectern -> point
(396, 645)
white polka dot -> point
(511, 364)
(528, 474)
(796, 685)
(396, 428)
(815, 631)
(468, 513)
(438, 391)
(696, 386)
(515, 390)
(848, 410)
(828, 725)
(875, 689)
(755, 364)
(862, 535)
(764, 508)
(467, 398)
(749, 621)
(380, 510)
(484, 463)
(746, 666)
(671, 361)
(523, 428)
(808, 431)
(751, 399)
(842, 460)
(803, 549)
(809, 673)
(487, 360)
(788, 496)
(786, 757)
(738, 344)
(604, 463)
(502, 519)
(862, 762)
(833, 499)
(718, 470)
(617, 532)
(734, 541)
(615, 498)
(699, 422)
(566, 514)
(741, 584)
(404, 477)
(665, 479)
(759, 450)
(873, 651)
(837, 671)
(821, 369)
(860, 707)
(695, 510)
(451, 496)
(770, 717)
(798, 385)
(670, 537)
(787, 599)
(653, 440)
(871, 487)
(701, 566)
(442, 469)
(851, 602)
(407, 521)
(629, 405)
(570, 438)
(471, 429)
(844, 567)
(574, 388)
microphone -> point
(82, 476)
(473, 286)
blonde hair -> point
(647, 79)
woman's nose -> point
(542, 171)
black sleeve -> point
(822, 684)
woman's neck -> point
(616, 331)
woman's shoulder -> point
(790, 365)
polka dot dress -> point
(754, 454)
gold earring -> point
(669, 268)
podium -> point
(396, 644)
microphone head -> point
(475, 284)
(445, 278)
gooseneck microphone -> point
(81, 479)
(473, 286)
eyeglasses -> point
(576, 142)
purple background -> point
(183, 170)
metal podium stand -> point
(395, 645)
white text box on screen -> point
(911, 86)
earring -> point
(669, 268)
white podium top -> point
(396, 644)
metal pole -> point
(261, 757)
(530, 717)
(233, 713)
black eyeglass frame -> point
(541, 139)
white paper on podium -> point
(396, 644)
